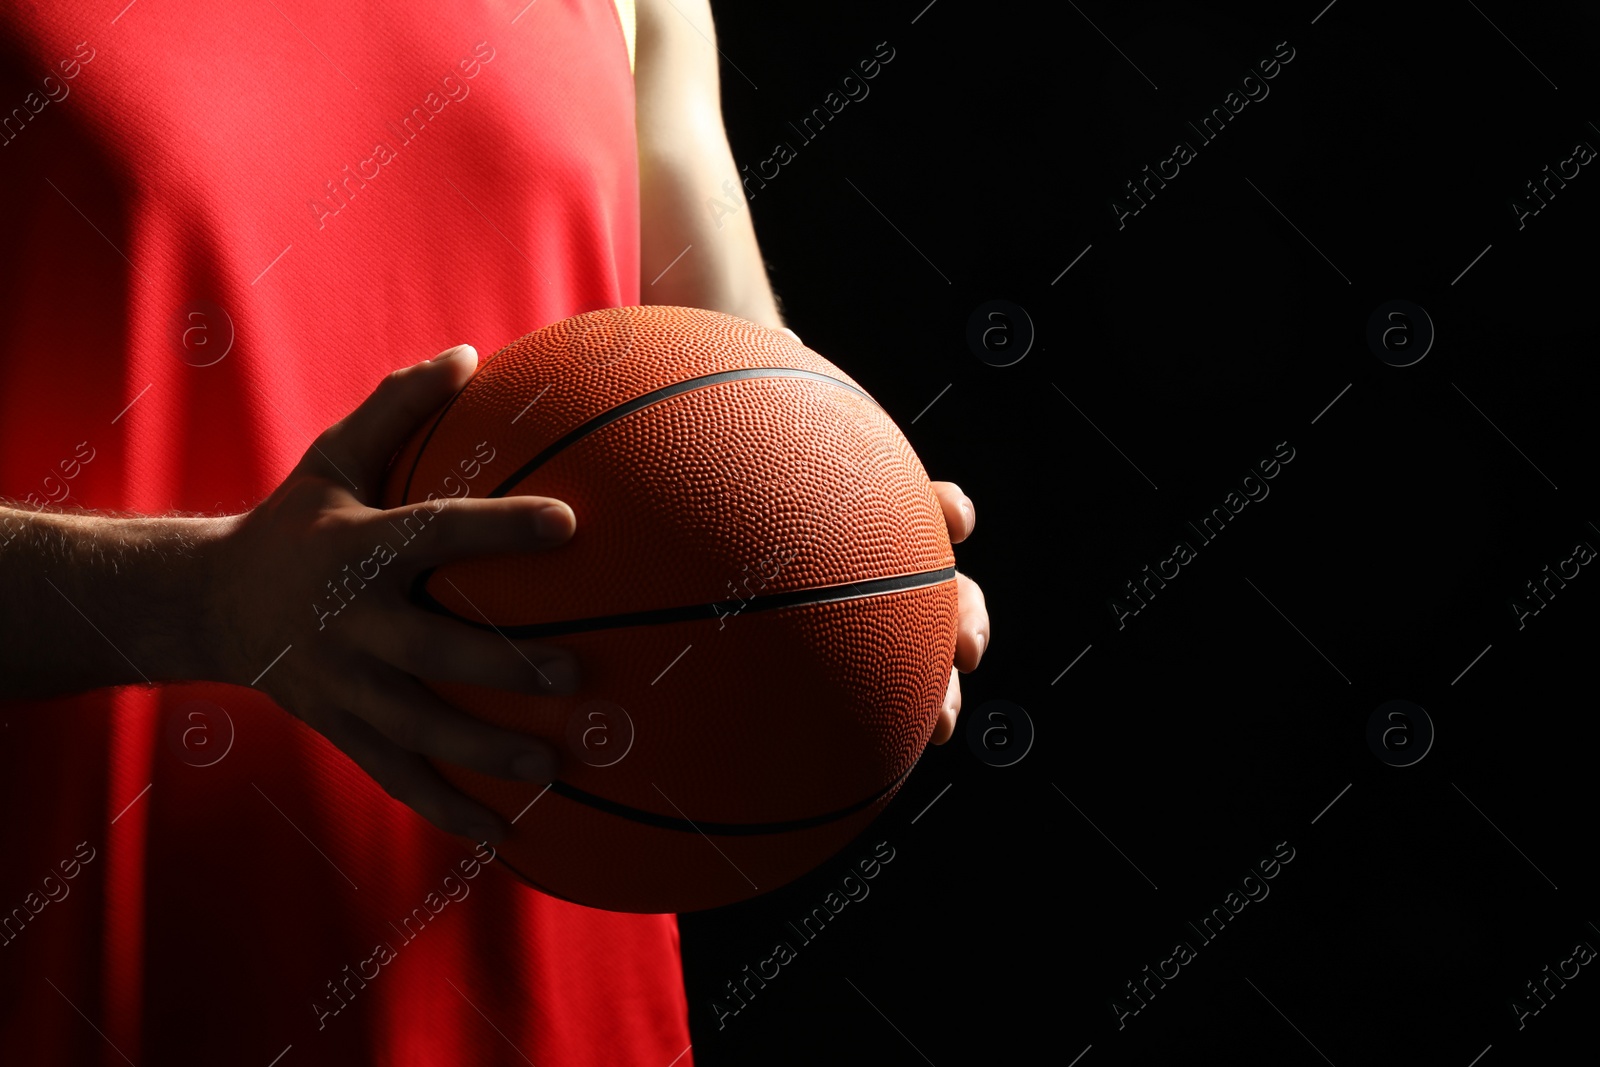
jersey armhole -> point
(626, 16)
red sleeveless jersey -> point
(223, 224)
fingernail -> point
(561, 674)
(451, 353)
(982, 640)
(534, 766)
(553, 522)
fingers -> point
(361, 444)
(464, 526)
(972, 637)
(408, 715)
(414, 782)
(425, 645)
(972, 631)
(959, 514)
(950, 712)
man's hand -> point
(972, 634)
(357, 648)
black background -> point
(1229, 713)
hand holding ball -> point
(760, 592)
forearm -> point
(89, 600)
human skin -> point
(91, 599)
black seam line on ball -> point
(721, 829)
(792, 599)
(540, 886)
(685, 386)
(422, 449)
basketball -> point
(760, 595)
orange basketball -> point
(760, 595)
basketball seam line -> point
(656, 616)
(540, 886)
(721, 829)
(405, 494)
(666, 392)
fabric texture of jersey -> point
(224, 224)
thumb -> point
(361, 444)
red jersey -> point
(223, 224)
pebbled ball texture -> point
(763, 737)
